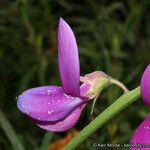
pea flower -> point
(145, 86)
(56, 108)
(141, 136)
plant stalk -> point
(107, 114)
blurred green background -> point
(113, 36)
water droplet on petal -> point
(147, 127)
(66, 95)
(19, 96)
(50, 111)
(27, 112)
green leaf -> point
(46, 141)
(10, 133)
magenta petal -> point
(84, 88)
(47, 103)
(141, 135)
(68, 59)
(65, 124)
(145, 86)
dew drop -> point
(27, 112)
(17, 97)
(147, 127)
(50, 111)
(66, 95)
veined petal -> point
(47, 103)
(68, 59)
(65, 124)
(145, 86)
(141, 135)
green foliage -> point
(10, 133)
(113, 36)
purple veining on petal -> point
(68, 59)
(65, 124)
(142, 135)
(145, 86)
(47, 103)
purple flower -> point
(145, 86)
(56, 108)
(141, 136)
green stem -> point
(106, 115)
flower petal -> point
(65, 124)
(47, 103)
(84, 88)
(70, 120)
(145, 86)
(141, 135)
(68, 59)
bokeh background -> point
(113, 36)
